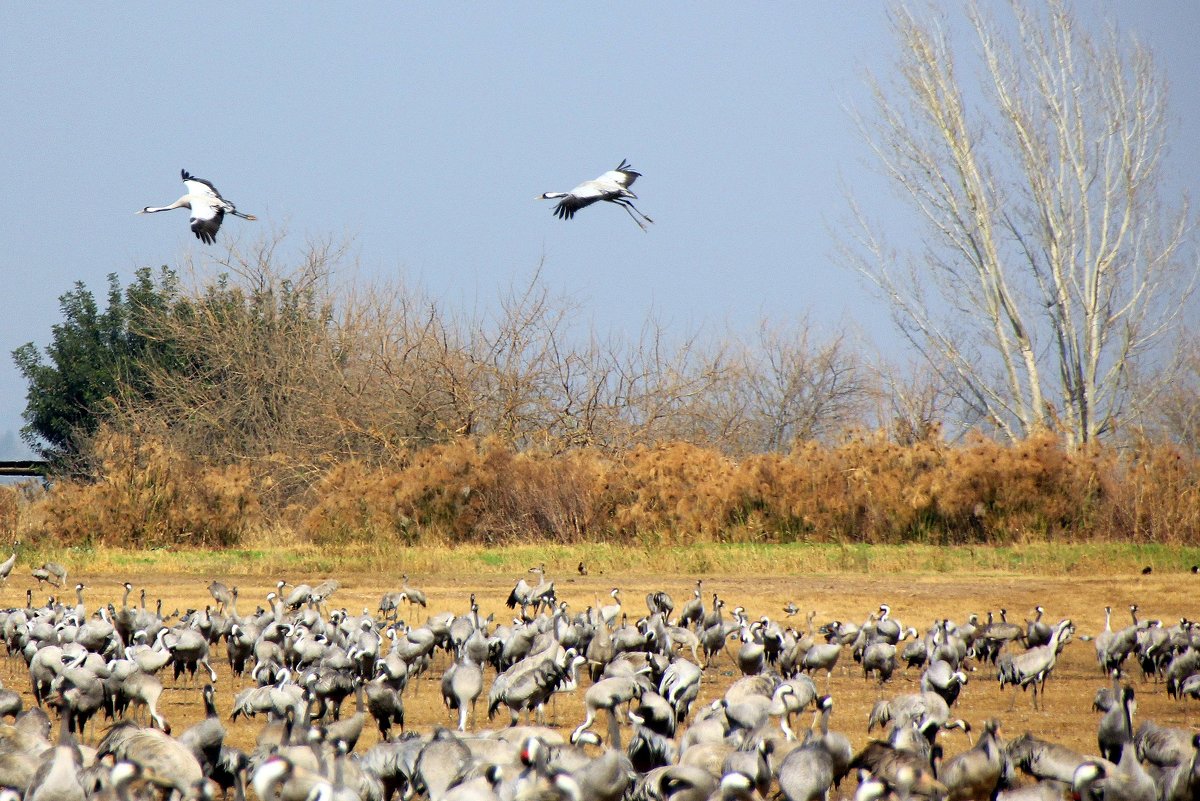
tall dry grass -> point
(462, 491)
(147, 495)
(10, 511)
(1152, 495)
(484, 491)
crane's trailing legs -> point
(627, 205)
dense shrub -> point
(95, 356)
(463, 490)
(471, 490)
(9, 512)
(1153, 495)
(146, 495)
(866, 489)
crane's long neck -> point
(182, 203)
(1127, 705)
(1059, 633)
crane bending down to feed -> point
(207, 206)
(612, 186)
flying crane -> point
(612, 186)
(207, 206)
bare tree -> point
(254, 355)
(912, 403)
(1050, 263)
(658, 386)
(512, 356)
(1178, 409)
(801, 388)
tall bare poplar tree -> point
(1050, 260)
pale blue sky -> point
(424, 133)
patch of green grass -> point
(1039, 558)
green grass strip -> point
(745, 559)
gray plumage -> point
(156, 751)
(385, 704)
(441, 763)
(1044, 760)
(57, 777)
(822, 656)
(975, 774)
(528, 690)
(1032, 668)
(414, 596)
(1127, 781)
(942, 679)
(6, 567)
(609, 694)
(462, 684)
(879, 658)
(1115, 731)
(206, 738)
(806, 774)
(220, 593)
(51, 572)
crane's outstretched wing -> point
(206, 221)
(624, 175)
(580, 197)
(198, 186)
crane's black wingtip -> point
(628, 169)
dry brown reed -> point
(485, 491)
(10, 510)
(461, 491)
(147, 495)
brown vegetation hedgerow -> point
(146, 495)
(867, 488)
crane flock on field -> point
(95, 726)
(208, 207)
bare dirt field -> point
(915, 600)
